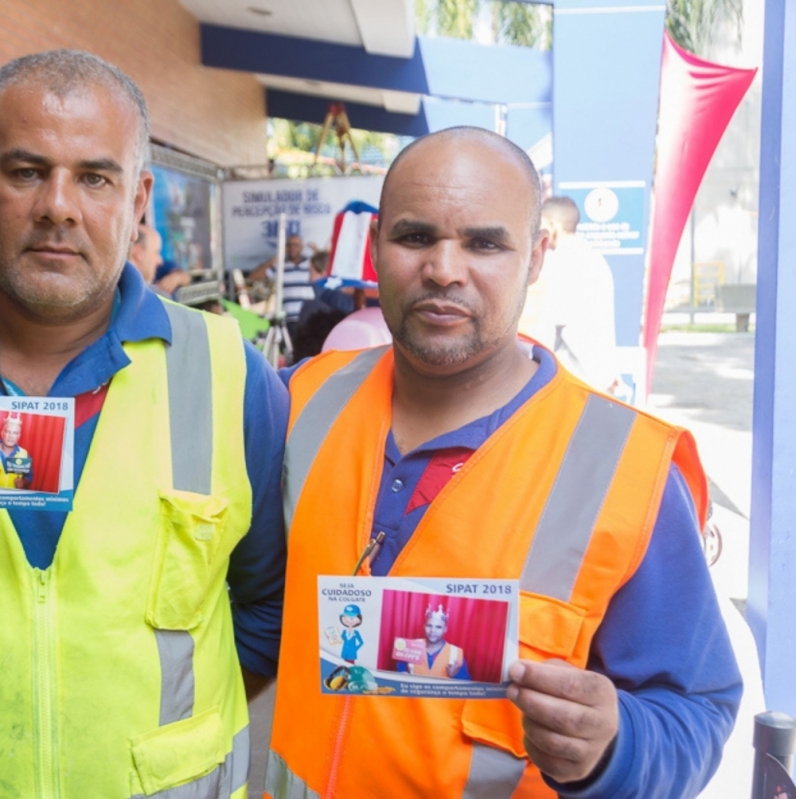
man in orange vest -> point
(463, 451)
(443, 659)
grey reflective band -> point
(315, 421)
(190, 400)
(584, 477)
(220, 783)
(282, 783)
(175, 648)
(241, 755)
(494, 773)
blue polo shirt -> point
(662, 642)
(257, 564)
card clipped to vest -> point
(421, 637)
(37, 444)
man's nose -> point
(446, 264)
(58, 199)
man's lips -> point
(441, 312)
(54, 251)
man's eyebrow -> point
(495, 233)
(101, 165)
(404, 226)
(20, 154)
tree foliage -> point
(523, 24)
(695, 24)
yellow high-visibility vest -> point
(118, 670)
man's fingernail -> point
(512, 692)
(516, 671)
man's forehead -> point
(457, 165)
(29, 107)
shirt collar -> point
(140, 316)
(141, 313)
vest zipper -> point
(338, 744)
(44, 680)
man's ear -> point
(373, 243)
(537, 255)
(142, 191)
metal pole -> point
(277, 336)
(280, 261)
(775, 735)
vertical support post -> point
(775, 736)
(606, 77)
(281, 242)
(772, 544)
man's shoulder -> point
(320, 367)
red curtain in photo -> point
(697, 101)
(478, 626)
(43, 438)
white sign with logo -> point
(252, 208)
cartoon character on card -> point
(351, 618)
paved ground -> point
(704, 382)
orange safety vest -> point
(449, 654)
(562, 497)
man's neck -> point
(426, 405)
(33, 351)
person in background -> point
(134, 624)
(170, 277)
(296, 287)
(573, 301)
(145, 252)
(462, 451)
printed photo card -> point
(37, 443)
(430, 637)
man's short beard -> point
(441, 357)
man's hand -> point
(570, 716)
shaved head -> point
(490, 141)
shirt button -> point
(396, 486)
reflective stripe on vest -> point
(494, 774)
(565, 527)
(175, 648)
(190, 400)
(189, 377)
(220, 783)
(315, 421)
(282, 783)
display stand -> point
(277, 344)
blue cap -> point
(351, 610)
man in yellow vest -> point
(463, 452)
(121, 652)
(10, 475)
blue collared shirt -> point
(257, 565)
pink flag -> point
(697, 102)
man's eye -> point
(484, 245)
(416, 239)
(25, 173)
(95, 180)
